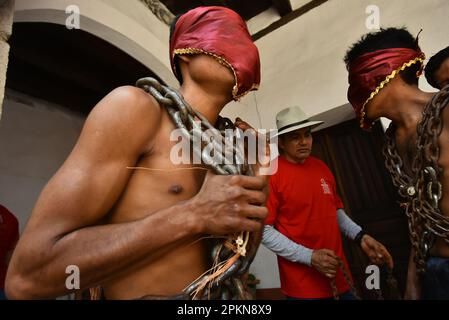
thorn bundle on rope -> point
(231, 256)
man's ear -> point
(280, 143)
(182, 63)
(184, 58)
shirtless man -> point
(437, 69)
(135, 232)
(383, 75)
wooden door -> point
(356, 160)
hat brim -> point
(312, 124)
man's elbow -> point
(18, 287)
(15, 287)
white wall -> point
(35, 138)
(302, 65)
(302, 61)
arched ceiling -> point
(72, 68)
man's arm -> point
(413, 286)
(64, 230)
(324, 260)
(286, 248)
(376, 251)
(348, 227)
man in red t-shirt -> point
(9, 234)
(306, 217)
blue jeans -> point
(344, 296)
(2, 295)
(435, 282)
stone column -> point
(159, 10)
(6, 19)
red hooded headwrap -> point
(221, 33)
(369, 73)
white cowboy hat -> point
(292, 119)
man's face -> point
(207, 70)
(442, 74)
(296, 145)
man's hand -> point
(326, 262)
(229, 204)
(376, 251)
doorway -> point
(370, 199)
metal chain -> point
(422, 188)
(347, 279)
(228, 285)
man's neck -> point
(293, 160)
(207, 103)
(405, 106)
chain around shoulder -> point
(422, 190)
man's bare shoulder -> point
(127, 119)
(132, 101)
(126, 109)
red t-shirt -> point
(9, 234)
(303, 205)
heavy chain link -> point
(348, 280)
(228, 285)
(422, 188)
(391, 283)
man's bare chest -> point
(407, 150)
